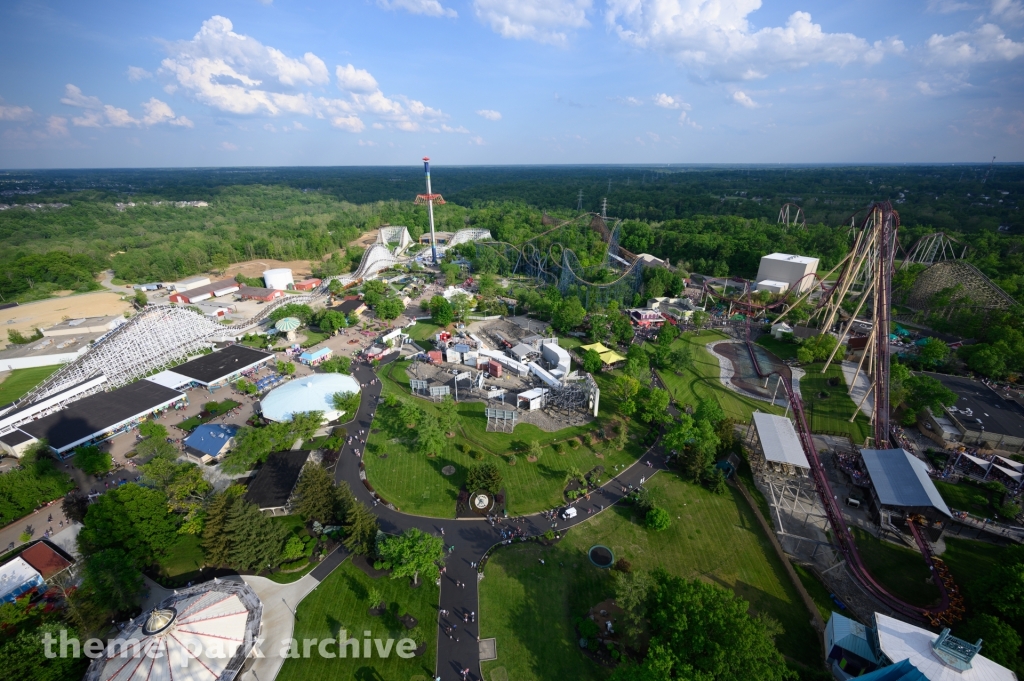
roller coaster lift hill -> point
(867, 268)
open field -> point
(44, 313)
(255, 268)
(529, 606)
(414, 482)
(970, 562)
(831, 414)
(702, 381)
(423, 331)
(340, 603)
(14, 384)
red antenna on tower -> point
(430, 199)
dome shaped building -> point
(309, 393)
(203, 632)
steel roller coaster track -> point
(876, 240)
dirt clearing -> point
(43, 313)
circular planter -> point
(601, 556)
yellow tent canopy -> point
(596, 347)
(611, 357)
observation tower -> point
(430, 199)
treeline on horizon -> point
(711, 219)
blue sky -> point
(286, 82)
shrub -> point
(549, 535)
(512, 459)
(574, 443)
(295, 565)
(477, 455)
(623, 565)
(588, 628)
(557, 448)
(658, 519)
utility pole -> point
(604, 208)
(579, 202)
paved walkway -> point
(471, 538)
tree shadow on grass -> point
(357, 589)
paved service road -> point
(471, 538)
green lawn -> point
(780, 348)
(831, 414)
(970, 562)
(213, 409)
(341, 602)
(183, 560)
(968, 497)
(900, 570)
(422, 331)
(528, 607)
(414, 482)
(818, 592)
(702, 381)
(20, 381)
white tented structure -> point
(395, 234)
(151, 340)
(280, 279)
(466, 235)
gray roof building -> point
(901, 481)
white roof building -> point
(794, 270)
(202, 633)
(306, 394)
(780, 444)
(939, 657)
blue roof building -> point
(849, 646)
(315, 357)
(209, 441)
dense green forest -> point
(714, 220)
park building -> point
(794, 271)
(207, 631)
(62, 343)
(214, 370)
(273, 486)
(901, 488)
(210, 441)
(279, 279)
(775, 446)
(190, 283)
(306, 394)
(198, 294)
(32, 569)
(889, 649)
(679, 309)
(264, 295)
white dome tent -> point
(205, 632)
(306, 394)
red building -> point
(307, 284)
(197, 295)
(256, 293)
(646, 317)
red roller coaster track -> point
(883, 217)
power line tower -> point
(429, 199)
(989, 172)
(604, 208)
(579, 202)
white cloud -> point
(377, 126)
(684, 119)
(56, 126)
(73, 97)
(14, 113)
(367, 143)
(669, 102)
(478, 141)
(1008, 10)
(299, 126)
(949, 6)
(352, 79)
(630, 101)
(160, 112)
(228, 146)
(460, 129)
(431, 8)
(743, 99)
(984, 44)
(489, 114)
(137, 73)
(269, 127)
(717, 36)
(348, 123)
(544, 21)
(237, 74)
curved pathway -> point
(472, 538)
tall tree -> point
(361, 527)
(255, 540)
(113, 580)
(75, 505)
(429, 435)
(314, 494)
(413, 553)
(484, 476)
(216, 542)
(131, 518)
(568, 315)
(441, 312)
(448, 413)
